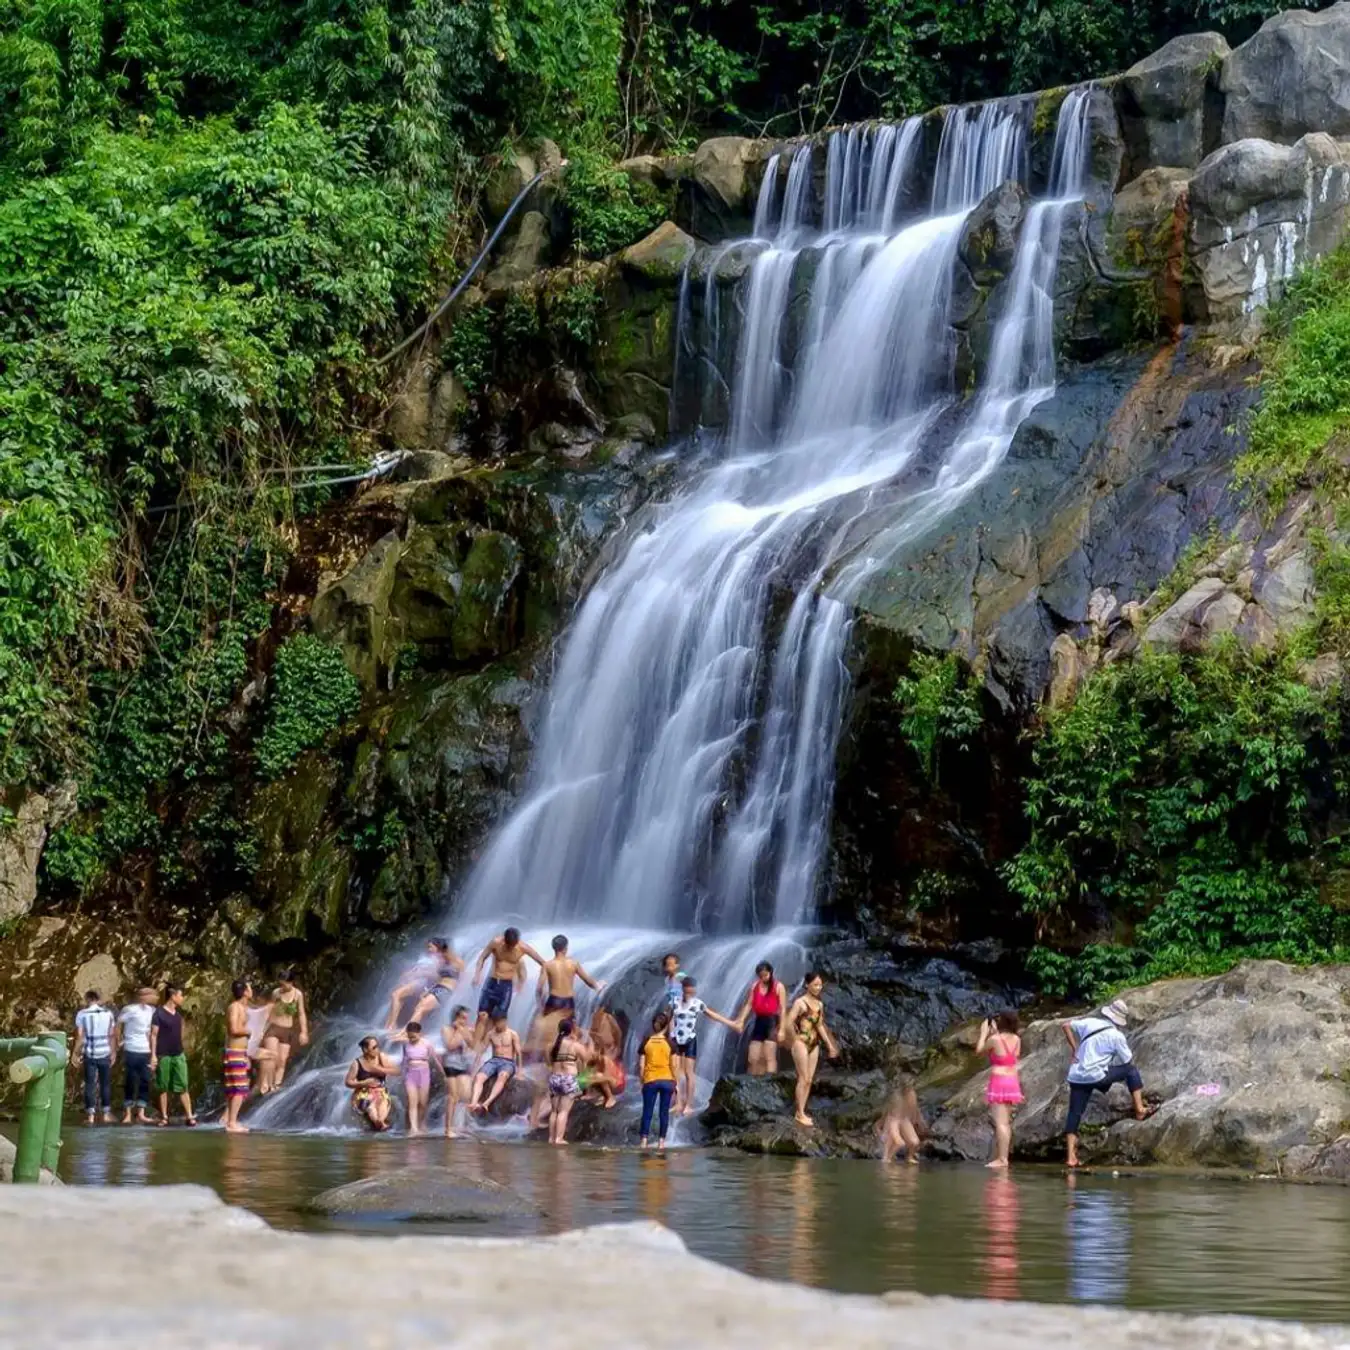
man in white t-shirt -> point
(95, 1044)
(1101, 1058)
(134, 1023)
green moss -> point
(313, 694)
(1048, 104)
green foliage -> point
(608, 210)
(468, 349)
(1305, 399)
(313, 694)
(574, 315)
(939, 706)
(1097, 971)
(1178, 791)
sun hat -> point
(1116, 1012)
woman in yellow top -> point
(658, 1078)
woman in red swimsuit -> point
(766, 1003)
(998, 1035)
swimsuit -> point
(236, 1072)
(810, 1039)
(371, 1090)
(558, 1003)
(417, 1064)
(1005, 1089)
(498, 1064)
(456, 1062)
(496, 997)
(766, 1009)
(563, 1084)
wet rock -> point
(506, 181)
(352, 611)
(988, 244)
(447, 400)
(1292, 77)
(425, 1193)
(1248, 1067)
(410, 414)
(1258, 212)
(1170, 101)
(756, 1114)
(721, 177)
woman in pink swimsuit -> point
(418, 1060)
(998, 1035)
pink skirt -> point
(1004, 1090)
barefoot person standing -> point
(998, 1035)
(457, 1038)
(807, 1029)
(167, 1061)
(236, 1062)
(419, 1058)
(506, 954)
(684, 1036)
(765, 1007)
(1101, 1058)
(287, 1031)
(565, 1061)
(134, 1024)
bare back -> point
(562, 976)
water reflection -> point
(1161, 1242)
(1001, 1208)
(1099, 1243)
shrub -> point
(313, 693)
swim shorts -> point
(497, 1064)
(555, 1003)
(689, 1050)
(495, 1000)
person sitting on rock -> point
(502, 1065)
(900, 1125)
(1101, 1059)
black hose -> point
(476, 264)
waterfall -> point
(680, 790)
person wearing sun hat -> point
(1101, 1059)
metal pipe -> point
(473, 267)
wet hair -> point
(512, 936)
(660, 1022)
(456, 1010)
(440, 944)
(91, 996)
(1008, 1023)
(170, 990)
(369, 1040)
(764, 968)
(812, 975)
(565, 1028)
(560, 943)
(689, 982)
(413, 1026)
(238, 988)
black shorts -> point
(556, 1003)
(689, 1050)
(495, 1000)
(454, 1073)
(764, 1027)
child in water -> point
(900, 1125)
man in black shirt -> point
(167, 1061)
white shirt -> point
(1101, 1046)
(684, 1020)
(97, 1023)
(134, 1020)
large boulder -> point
(1249, 1068)
(1260, 210)
(32, 817)
(1170, 102)
(756, 1114)
(722, 183)
(1291, 78)
(440, 1194)
(524, 255)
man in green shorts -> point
(167, 1061)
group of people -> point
(1099, 1058)
(260, 1037)
(563, 1059)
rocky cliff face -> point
(529, 422)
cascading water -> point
(680, 791)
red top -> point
(764, 1003)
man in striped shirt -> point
(96, 1044)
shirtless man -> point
(558, 979)
(236, 1067)
(502, 1065)
(506, 952)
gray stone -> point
(7, 1153)
(662, 255)
(99, 975)
(476, 1290)
(525, 255)
(1172, 93)
(21, 844)
(1259, 211)
(410, 413)
(426, 1193)
(1292, 77)
(721, 167)
(1169, 629)
(1222, 614)
(1286, 592)
(1273, 1039)
(507, 180)
(353, 610)
(447, 399)
(1322, 672)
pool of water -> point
(1186, 1243)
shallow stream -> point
(1189, 1243)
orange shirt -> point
(656, 1066)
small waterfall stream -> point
(679, 796)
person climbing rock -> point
(900, 1125)
(1101, 1058)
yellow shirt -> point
(656, 1066)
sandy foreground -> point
(174, 1266)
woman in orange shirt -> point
(658, 1078)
